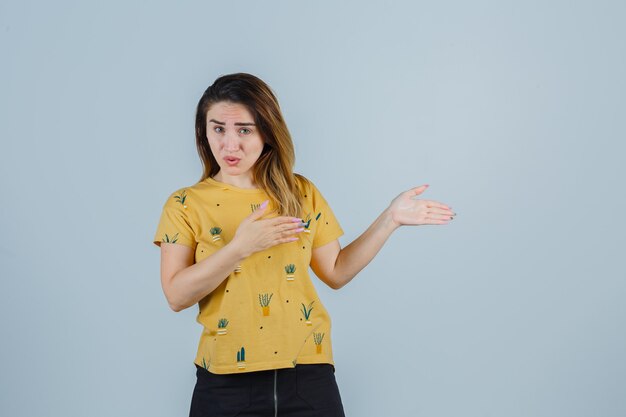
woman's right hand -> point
(254, 235)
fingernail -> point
(296, 220)
(264, 204)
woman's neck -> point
(239, 181)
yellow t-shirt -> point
(266, 314)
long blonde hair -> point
(273, 171)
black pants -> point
(303, 391)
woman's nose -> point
(231, 142)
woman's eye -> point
(244, 131)
(218, 129)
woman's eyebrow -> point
(236, 124)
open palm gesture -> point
(407, 210)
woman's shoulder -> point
(301, 180)
(190, 187)
(307, 186)
(182, 193)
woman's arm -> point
(185, 282)
(336, 266)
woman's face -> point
(233, 137)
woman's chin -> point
(233, 170)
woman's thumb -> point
(258, 212)
(419, 190)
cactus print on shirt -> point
(266, 314)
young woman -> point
(239, 243)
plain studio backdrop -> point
(513, 112)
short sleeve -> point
(174, 225)
(327, 227)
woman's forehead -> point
(228, 112)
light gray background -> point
(513, 112)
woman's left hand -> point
(407, 210)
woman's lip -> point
(232, 161)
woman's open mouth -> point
(231, 161)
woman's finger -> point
(284, 231)
(288, 227)
(436, 204)
(288, 239)
(441, 222)
(431, 220)
(441, 211)
(283, 219)
(437, 216)
(286, 236)
(289, 232)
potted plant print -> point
(215, 233)
(241, 358)
(181, 198)
(170, 239)
(264, 300)
(306, 311)
(221, 326)
(317, 338)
